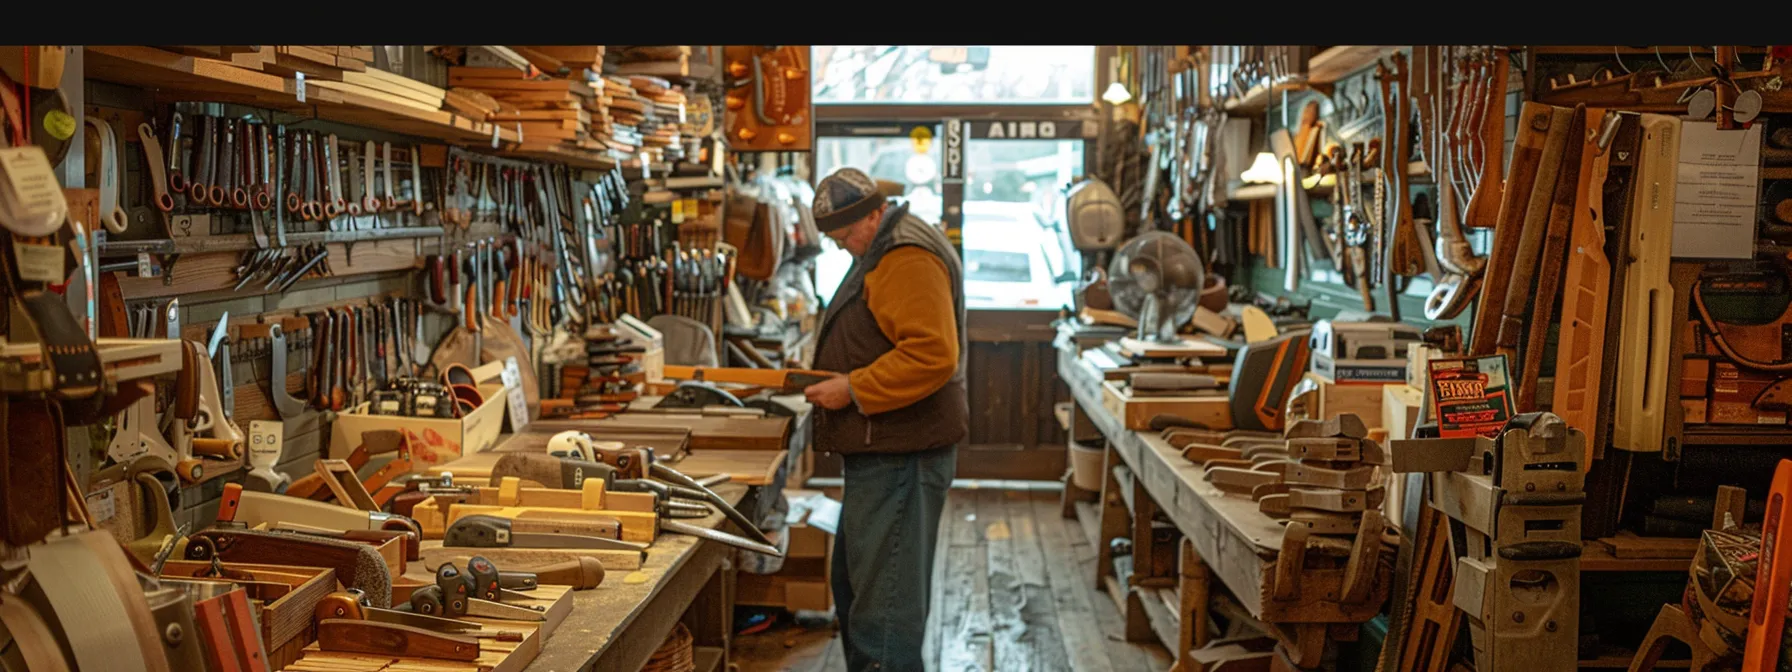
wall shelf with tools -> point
(297, 278)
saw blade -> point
(718, 535)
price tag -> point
(519, 132)
(102, 505)
(494, 136)
(265, 439)
(519, 404)
(40, 263)
(299, 85)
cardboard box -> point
(434, 441)
(802, 584)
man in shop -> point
(895, 331)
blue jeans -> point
(883, 555)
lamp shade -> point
(1263, 170)
(1116, 94)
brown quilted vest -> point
(849, 338)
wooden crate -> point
(288, 620)
(1136, 412)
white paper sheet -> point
(1718, 183)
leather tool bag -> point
(763, 245)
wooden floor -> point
(1014, 589)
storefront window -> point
(1017, 252)
(944, 75)
(900, 159)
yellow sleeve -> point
(910, 294)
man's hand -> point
(832, 394)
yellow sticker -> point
(60, 125)
(635, 577)
(922, 137)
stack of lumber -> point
(551, 111)
(386, 86)
(662, 127)
(653, 61)
(625, 111)
(568, 60)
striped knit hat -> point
(844, 197)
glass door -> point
(905, 154)
(1017, 250)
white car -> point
(1005, 259)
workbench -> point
(618, 625)
(1227, 537)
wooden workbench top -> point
(747, 467)
(619, 624)
(1236, 540)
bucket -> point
(1085, 465)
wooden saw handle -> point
(392, 639)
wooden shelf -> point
(243, 242)
(1336, 63)
(570, 156)
(1738, 436)
(1597, 557)
(175, 76)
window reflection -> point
(988, 75)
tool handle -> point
(582, 573)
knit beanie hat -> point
(844, 197)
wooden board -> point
(395, 83)
(494, 656)
(378, 94)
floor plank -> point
(1006, 558)
(1038, 609)
(1070, 592)
(1008, 627)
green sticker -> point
(60, 125)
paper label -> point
(494, 136)
(102, 505)
(519, 131)
(299, 84)
(145, 267)
(510, 375)
(519, 404)
(40, 263)
(265, 443)
(1471, 396)
(1717, 186)
(31, 201)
